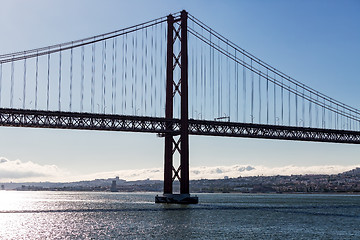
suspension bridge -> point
(173, 76)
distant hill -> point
(348, 181)
(353, 172)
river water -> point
(88, 215)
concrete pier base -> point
(177, 198)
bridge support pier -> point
(177, 144)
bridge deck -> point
(108, 122)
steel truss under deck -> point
(87, 121)
(250, 130)
(105, 122)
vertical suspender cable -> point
(201, 81)
(59, 99)
(329, 115)
(237, 87)
(125, 73)
(205, 79)
(136, 75)
(142, 72)
(337, 117)
(24, 86)
(296, 105)
(213, 78)
(228, 77)
(104, 79)
(196, 56)
(193, 95)
(317, 110)
(323, 114)
(244, 87)
(155, 72)
(132, 74)
(161, 70)
(164, 62)
(212, 88)
(219, 82)
(151, 72)
(48, 82)
(92, 77)
(196, 80)
(341, 127)
(289, 104)
(36, 79)
(282, 101)
(260, 98)
(205, 90)
(71, 78)
(303, 106)
(252, 92)
(196, 59)
(12, 83)
(275, 99)
(113, 76)
(146, 75)
(310, 113)
(123, 77)
(82, 78)
(267, 96)
(0, 82)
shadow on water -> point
(201, 207)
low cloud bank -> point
(218, 172)
(19, 171)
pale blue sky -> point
(315, 42)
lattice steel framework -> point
(250, 130)
(172, 127)
(175, 142)
(86, 121)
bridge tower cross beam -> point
(173, 89)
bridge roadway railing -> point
(251, 130)
(108, 122)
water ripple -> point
(166, 208)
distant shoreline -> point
(343, 183)
(193, 193)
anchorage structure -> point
(174, 142)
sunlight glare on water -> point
(91, 215)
